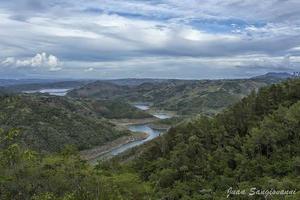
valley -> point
(130, 137)
(131, 125)
(144, 132)
(150, 100)
(123, 107)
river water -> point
(145, 128)
(144, 107)
(137, 128)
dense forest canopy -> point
(255, 143)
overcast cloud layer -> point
(155, 38)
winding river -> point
(153, 133)
(145, 128)
(136, 128)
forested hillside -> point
(186, 97)
(254, 143)
(29, 175)
(115, 109)
(48, 123)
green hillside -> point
(186, 97)
(255, 143)
(49, 123)
(115, 109)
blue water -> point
(145, 128)
(137, 128)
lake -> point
(53, 91)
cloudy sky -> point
(153, 38)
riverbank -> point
(91, 155)
(161, 127)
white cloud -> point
(90, 69)
(196, 35)
(40, 60)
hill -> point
(99, 90)
(186, 97)
(48, 123)
(115, 109)
(273, 76)
(134, 81)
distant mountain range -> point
(38, 83)
(7, 82)
(17, 87)
(34, 83)
(274, 75)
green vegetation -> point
(115, 109)
(186, 97)
(26, 174)
(49, 123)
(166, 123)
(254, 143)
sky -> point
(189, 39)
